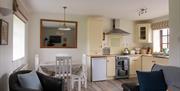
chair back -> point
(63, 67)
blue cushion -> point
(30, 81)
(151, 81)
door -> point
(110, 66)
(98, 69)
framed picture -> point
(3, 32)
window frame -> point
(161, 38)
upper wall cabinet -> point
(144, 33)
(58, 34)
(95, 35)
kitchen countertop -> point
(136, 55)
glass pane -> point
(156, 41)
(168, 31)
(164, 46)
(18, 38)
(165, 32)
(164, 39)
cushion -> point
(30, 81)
(151, 81)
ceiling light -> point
(64, 27)
(142, 11)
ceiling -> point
(124, 9)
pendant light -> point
(64, 27)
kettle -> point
(126, 51)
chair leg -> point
(79, 84)
(72, 83)
(85, 83)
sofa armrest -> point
(50, 83)
(130, 87)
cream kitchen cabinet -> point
(144, 33)
(135, 65)
(147, 63)
(95, 35)
(110, 66)
(161, 61)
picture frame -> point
(4, 27)
(52, 34)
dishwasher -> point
(98, 69)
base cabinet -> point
(147, 63)
(110, 67)
(161, 61)
(135, 65)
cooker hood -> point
(116, 29)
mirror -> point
(58, 34)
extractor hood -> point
(117, 30)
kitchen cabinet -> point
(135, 65)
(110, 66)
(147, 63)
(95, 35)
(161, 61)
(144, 33)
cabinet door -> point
(147, 63)
(110, 66)
(144, 33)
(161, 61)
(135, 65)
(95, 35)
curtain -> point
(18, 12)
(160, 25)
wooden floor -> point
(109, 85)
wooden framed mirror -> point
(58, 33)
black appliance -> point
(122, 67)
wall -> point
(6, 53)
(174, 7)
(48, 54)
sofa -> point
(171, 75)
(48, 83)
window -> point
(160, 39)
(18, 38)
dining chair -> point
(37, 65)
(63, 67)
(81, 78)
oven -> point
(122, 67)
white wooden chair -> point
(82, 77)
(37, 65)
(63, 66)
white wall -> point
(174, 6)
(6, 53)
(48, 54)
